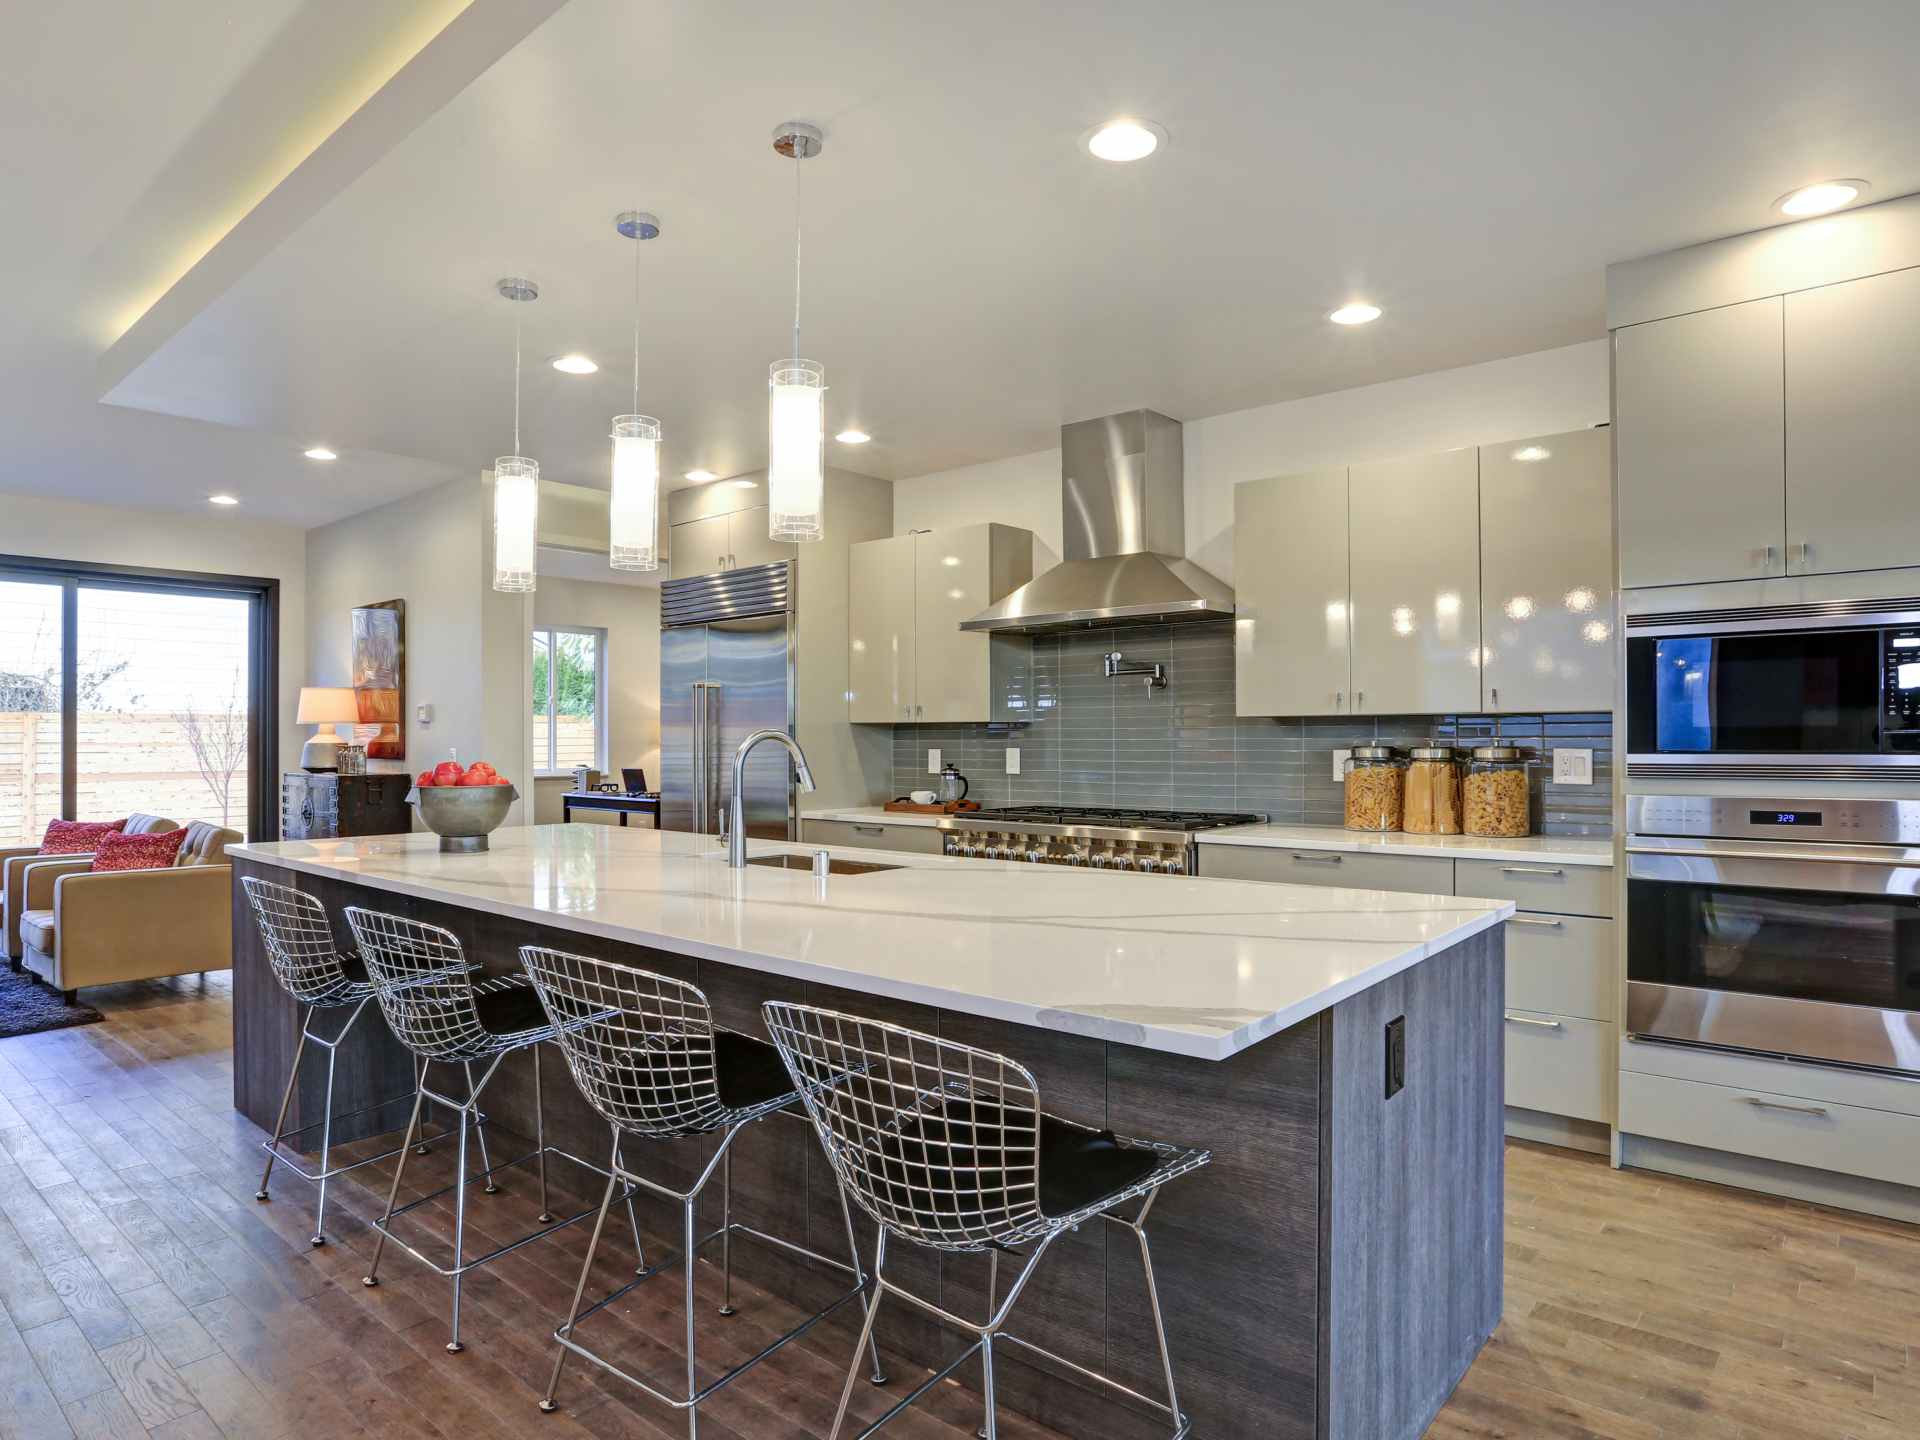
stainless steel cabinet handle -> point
(1535, 920)
(1316, 858)
(1531, 870)
(1339, 698)
(1759, 1104)
(1537, 1024)
(1804, 557)
(869, 829)
(1766, 558)
(1359, 699)
(732, 560)
(1493, 697)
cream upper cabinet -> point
(749, 544)
(1414, 605)
(908, 657)
(880, 631)
(1853, 425)
(1292, 651)
(1700, 433)
(697, 547)
(1546, 573)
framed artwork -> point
(379, 670)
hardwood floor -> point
(143, 1291)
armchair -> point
(13, 876)
(79, 927)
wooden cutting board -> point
(907, 807)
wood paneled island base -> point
(1330, 1276)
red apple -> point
(425, 777)
(447, 772)
(475, 776)
(498, 780)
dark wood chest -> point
(328, 807)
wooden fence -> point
(127, 761)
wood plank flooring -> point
(143, 1291)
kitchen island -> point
(1331, 1274)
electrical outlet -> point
(933, 762)
(1340, 758)
(1013, 760)
(1573, 767)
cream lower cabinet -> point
(908, 660)
(914, 839)
(1562, 974)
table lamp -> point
(325, 706)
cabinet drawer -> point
(1563, 965)
(1559, 1064)
(915, 839)
(1420, 875)
(1849, 1140)
(1552, 889)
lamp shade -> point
(516, 522)
(633, 513)
(796, 436)
(327, 705)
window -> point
(569, 699)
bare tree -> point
(219, 741)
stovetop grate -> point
(1117, 818)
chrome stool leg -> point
(540, 1137)
(726, 1235)
(286, 1100)
(454, 1346)
(547, 1402)
(326, 1152)
(486, 1165)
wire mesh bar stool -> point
(300, 948)
(646, 1053)
(946, 1146)
(438, 1009)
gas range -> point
(1145, 842)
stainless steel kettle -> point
(953, 785)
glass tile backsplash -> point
(1096, 741)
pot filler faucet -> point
(737, 828)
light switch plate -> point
(1340, 758)
(1013, 760)
(933, 762)
(1573, 767)
(423, 715)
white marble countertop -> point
(1541, 849)
(1181, 964)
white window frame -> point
(543, 764)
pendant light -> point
(796, 419)
(633, 514)
(516, 478)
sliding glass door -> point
(31, 712)
(125, 690)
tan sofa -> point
(79, 928)
(13, 875)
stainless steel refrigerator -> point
(726, 670)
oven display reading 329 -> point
(1800, 819)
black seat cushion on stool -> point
(510, 1010)
(749, 1071)
(954, 1152)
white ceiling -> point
(972, 277)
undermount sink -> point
(835, 865)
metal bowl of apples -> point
(462, 805)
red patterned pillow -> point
(139, 852)
(76, 837)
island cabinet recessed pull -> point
(1818, 1111)
(1531, 870)
(1547, 921)
(1316, 858)
(1537, 1024)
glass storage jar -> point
(1374, 788)
(1433, 791)
(1496, 792)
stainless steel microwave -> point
(1711, 696)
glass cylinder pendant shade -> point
(516, 522)
(796, 435)
(634, 513)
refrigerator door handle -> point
(703, 813)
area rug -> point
(27, 1007)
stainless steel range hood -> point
(1124, 535)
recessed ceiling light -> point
(574, 364)
(1358, 313)
(222, 500)
(746, 484)
(853, 437)
(1532, 454)
(1124, 140)
(700, 477)
(1821, 199)
(320, 452)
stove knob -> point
(1101, 859)
(1123, 862)
(1175, 865)
(1078, 857)
(1036, 855)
